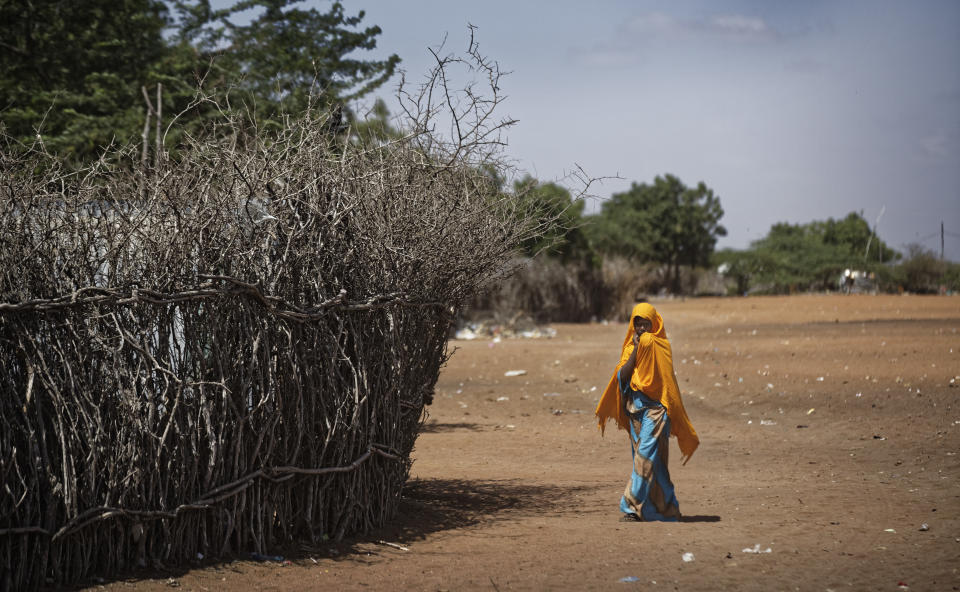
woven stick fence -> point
(231, 350)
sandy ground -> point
(830, 433)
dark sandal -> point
(630, 518)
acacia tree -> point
(665, 222)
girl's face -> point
(641, 325)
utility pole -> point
(941, 240)
(873, 235)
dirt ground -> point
(830, 433)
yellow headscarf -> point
(654, 377)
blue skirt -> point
(649, 493)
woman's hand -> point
(631, 362)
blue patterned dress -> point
(649, 493)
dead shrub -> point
(543, 290)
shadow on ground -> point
(699, 518)
(429, 506)
(436, 427)
(434, 505)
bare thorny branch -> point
(470, 114)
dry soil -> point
(830, 433)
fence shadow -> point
(437, 427)
(435, 505)
(428, 506)
(431, 505)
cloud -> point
(722, 28)
(656, 23)
(805, 65)
(937, 146)
(637, 33)
(601, 55)
(740, 25)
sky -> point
(790, 111)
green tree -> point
(562, 215)
(375, 128)
(743, 266)
(666, 222)
(286, 54)
(922, 271)
(951, 276)
(852, 236)
(795, 256)
(73, 71)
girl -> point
(644, 399)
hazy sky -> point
(789, 110)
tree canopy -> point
(73, 72)
(285, 53)
(665, 222)
(561, 215)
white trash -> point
(465, 334)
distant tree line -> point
(820, 255)
(670, 228)
(803, 257)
